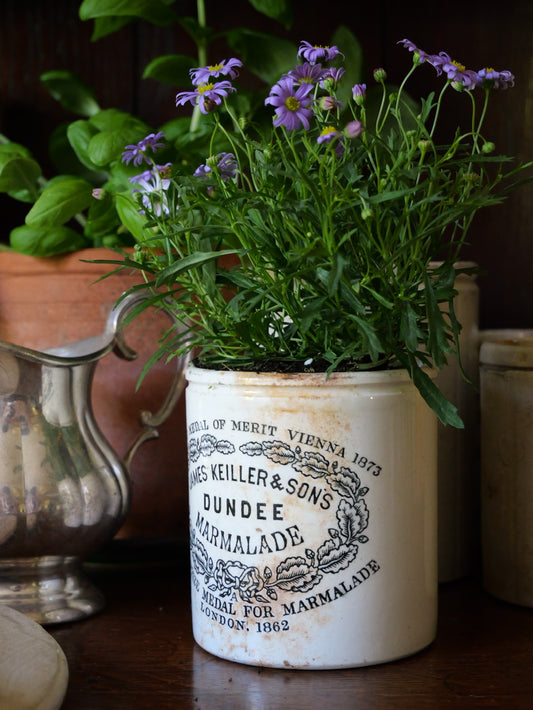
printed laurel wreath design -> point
(298, 573)
(206, 445)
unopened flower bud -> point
(424, 145)
(329, 103)
(353, 129)
(367, 213)
(328, 83)
(471, 178)
(98, 193)
(488, 147)
(380, 74)
(359, 93)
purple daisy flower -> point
(327, 134)
(419, 55)
(206, 96)
(226, 166)
(456, 72)
(152, 185)
(491, 79)
(137, 152)
(313, 53)
(306, 73)
(291, 104)
(331, 77)
(203, 75)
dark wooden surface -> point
(139, 654)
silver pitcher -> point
(63, 489)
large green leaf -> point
(59, 202)
(349, 45)
(80, 134)
(19, 174)
(36, 241)
(115, 129)
(12, 150)
(154, 11)
(104, 26)
(172, 69)
(102, 218)
(71, 92)
(130, 217)
(279, 10)
(268, 57)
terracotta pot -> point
(50, 302)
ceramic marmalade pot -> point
(313, 514)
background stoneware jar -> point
(507, 464)
(458, 449)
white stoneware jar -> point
(506, 378)
(313, 517)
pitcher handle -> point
(148, 420)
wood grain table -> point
(139, 654)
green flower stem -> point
(202, 58)
(437, 108)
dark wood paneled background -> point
(39, 35)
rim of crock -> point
(507, 347)
(298, 379)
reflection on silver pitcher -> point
(63, 489)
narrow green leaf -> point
(443, 408)
(373, 343)
(409, 330)
(189, 262)
(59, 202)
(379, 297)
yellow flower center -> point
(216, 67)
(460, 67)
(327, 130)
(205, 87)
(292, 103)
